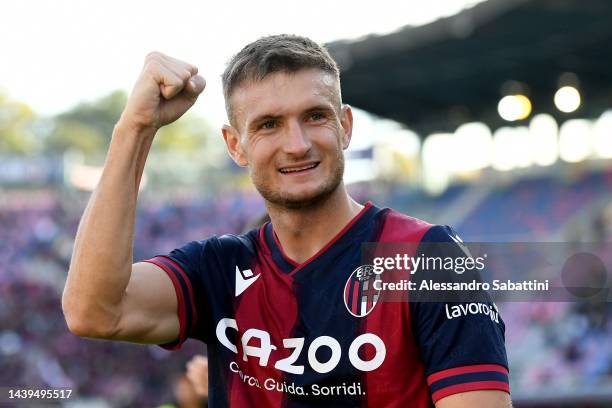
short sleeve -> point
(185, 266)
(461, 343)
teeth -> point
(298, 169)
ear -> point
(346, 120)
(234, 147)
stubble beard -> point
(293, 202)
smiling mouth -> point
(291, 170)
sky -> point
(54, 54)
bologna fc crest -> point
(360, 295)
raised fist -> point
(164, 91)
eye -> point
(317, 116)
(268, 124)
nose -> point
(296, 141)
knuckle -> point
(154, 68)
(151, 68)
(153, 55)
(172, 82)
(184, 75)
(151, 63)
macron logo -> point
(244, 279)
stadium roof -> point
(437, 76)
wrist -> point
(130, 142)
(125, 126)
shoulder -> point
(238, 242)
(217, 245)
(395, 226)
(398, 227)
(442, 233)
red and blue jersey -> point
(287, 334)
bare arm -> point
(105, 295)
(489, 399)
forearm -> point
(102, 257)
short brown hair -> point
(275, 53)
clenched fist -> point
(197, 372)
(164, 91)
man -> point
(274, 305)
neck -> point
(304, 231)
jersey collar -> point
(288, 265)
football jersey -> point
(286, 334)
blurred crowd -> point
(36, 348)
(549, 344)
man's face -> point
(291, 134)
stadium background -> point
(494, 120)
